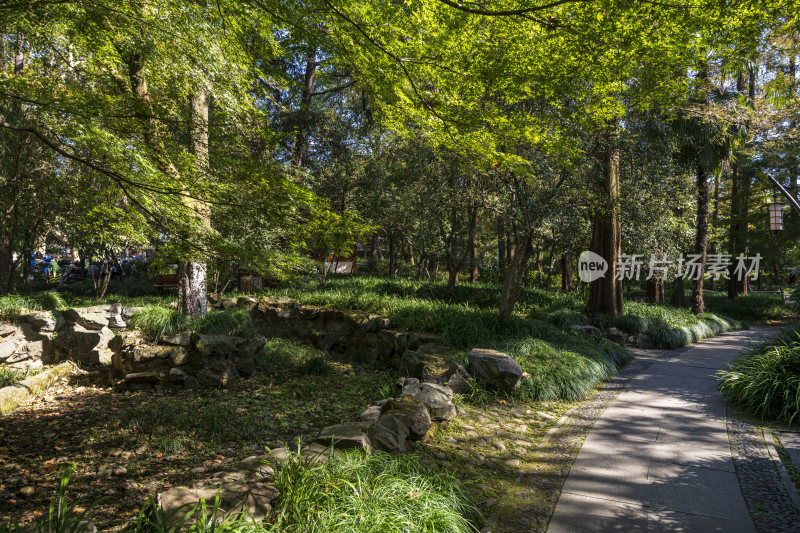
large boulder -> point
(389, 434)
(412, 412)
(217, 374)
(344, 436)
(89, 346)
(254, 499)
(495, 369)
(40, 321)
(215, 345)
(437, 398)
(8, 346)
(90, 318)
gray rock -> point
(437, 398)
(587, 330)
(180, 339)
(412, 411)
(115, 309)
(458, 379)
(91, 318)
(402, 383)
(42, 321)
(128, 312)
(389, 434)
(643, 340)
(89, 346)
(6, 329)
(116, 322)
(142, 377)
(254, 499)
(215, 345)
(371, 414)
(246, 302)
(495, 368)
(218, 374)
(227, 303)
(616, 335)
(8, 347)
(344, 436)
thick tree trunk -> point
(566, 272)
(604, 294)
(192, 290)
(733, 231)
(712, 282)
(701, 238)
(678, 296)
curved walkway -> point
(659, 458)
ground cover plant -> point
(127, 446)
(11, 376)
(765, 380)
(156, 321)
(563, 364)
(750, 308)
(378, 493)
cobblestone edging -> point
(768, 501)
(530, 508)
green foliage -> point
(317, 366)
(765, 380)
(12, 305)
(10, 376)
(750, 308)
(281, 355)
(670, 327)
(352, 492)
(155, 321)
(234, 321)
(377, 493)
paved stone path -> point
(658, 459)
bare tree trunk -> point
(192, 290)
(604, 293)
(514, 275)
(501, 247)
(701, 238)
(715, 220)
(566, 272)
(472, 244)
(678, 296)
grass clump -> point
(12, 305)
(156, 321)
(378, 493)
(751, 308)
(234, 321)
(10, 376)
(765, 380)
(280, 356)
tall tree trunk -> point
(514, 274)
(301, 138)
(733, 231)
(391, 255)
(604, 293)
(712, 282)
(678, 296)
(472, 244)
(192, 290)
(501, 247)
(566, 272)
(701, 238)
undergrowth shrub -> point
(234, 321)
(10, 376)
(765, 380)
(353, 492)
(155, 321)
(281, 355)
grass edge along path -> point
(530, 505)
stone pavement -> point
(658, 459)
